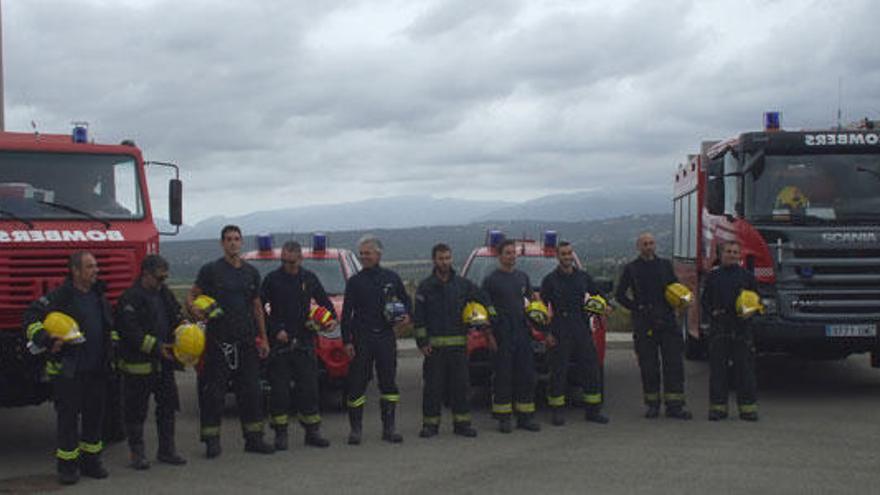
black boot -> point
(90, 465)
(253, 443)
(429, 431)
(464, 429)
(356, 421)
(594, 414)
(526, 421)
(557, 416)
(653, 411)
(717, 415)
(167, 452)
(389, 433)
(212, 447)
(313, 436)
(68, 472)
(678, 411)
(137, 453)
(504, 424)
(281, 438)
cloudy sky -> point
(273, 104)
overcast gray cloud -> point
(270, 105)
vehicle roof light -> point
(319, 242)
(771, 121)
(80, 133)
(494, 238)
(264, 242)
(550, 239)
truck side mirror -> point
(175, 202)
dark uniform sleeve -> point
(131, 331)
(420, 315)
(751, 281)
(402, 295)
(623, 287)
(706, 302)
(547, 293)
(347, 313)
(530, 294)
(320, 295)
(670, 273)
(205, 278)
(33, 320)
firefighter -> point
(147, 314)
(235, 343)
(513, 384)
(288, 293)
(441, 335)
(376, 306)
(730, 335)
(658, 341)
(78, 363)
(565, 290)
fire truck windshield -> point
(813, 188)
(328, 270)
(536, 267)
(63, 186)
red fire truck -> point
(60, 194)
(536, 260)
(333, 266)
(805, 207)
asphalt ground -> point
(818, 433)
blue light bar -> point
(264, 242)
(771, 121)
(550, 239)
(494, 238)
(80, 132)
(319, 242)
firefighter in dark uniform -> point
(376, 305)
(442, 338)
(146, 316)
(513, 383)
(79, 372)
(570, 336)
(235, 341)
(730, 336)
(288, 293)
(655, 330)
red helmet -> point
(320, 317)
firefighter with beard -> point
(726, 299)
(441, 335)
(235, 343)
(572, 296)
(644, 290)
(147, 314)
(288, 293)
(73, 324)
(513, 383)
(376, 307)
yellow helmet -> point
(475, 315)
(791, 197)
(538, 313)
(61, 326)
(208, 305)
(678, 296)
(748, 303)
(189, 343)
(595, 304)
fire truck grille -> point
(27, 275)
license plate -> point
(851, 330)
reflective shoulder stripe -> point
(148, 344)
(33, 328)
(136, 368)
(448, 340)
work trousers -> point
(300, 366)
(79, 406)
(445, 374)
(377, 349)
(239, 363)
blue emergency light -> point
(550, 239)
(771, 121)
(319, 242)
(494, 238)
(80, 132)
(264, 242)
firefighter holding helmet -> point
(649, 289)
(446, 306)
(730, 299)
(72, 325)
(288, 293)
(147, 315)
